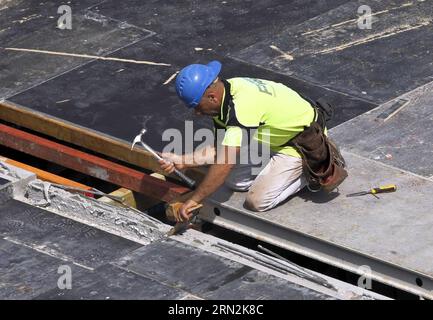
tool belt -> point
(322, 163)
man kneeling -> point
(275, 112)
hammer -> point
(139, 139)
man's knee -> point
(260, 201)
(257, 203)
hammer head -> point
(138, 138)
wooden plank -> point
(83, 137)
(126, 195)
(75, 134)
(89, 164)
(46, 176)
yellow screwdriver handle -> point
(382, 189)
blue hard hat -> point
(193, 80)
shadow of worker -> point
(317, 197)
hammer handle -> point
(190, 182)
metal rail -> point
(326, 252)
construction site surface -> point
(77, 98)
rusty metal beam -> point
(89, 164)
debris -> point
(62, 101)
(87, 56)
(395, 108)
(171, 78)
(284, 55)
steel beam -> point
(89, 164)
(329, 253)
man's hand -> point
(171, 161)
(184, 213)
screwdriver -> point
(374, 191)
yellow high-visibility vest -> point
(277, 112)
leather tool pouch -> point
(322, 162)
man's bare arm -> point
(214, 178)
(199, 158)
